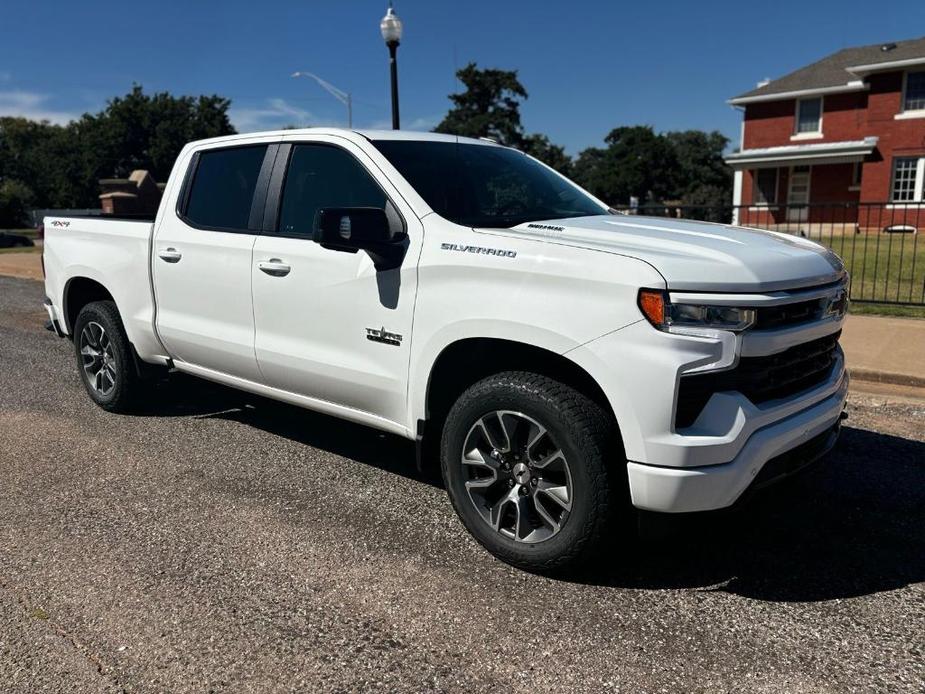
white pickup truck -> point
(565, 360)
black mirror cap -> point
(357, 227)
(379, 232)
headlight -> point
(664, 315)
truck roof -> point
(411, 135)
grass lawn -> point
(22, 249)
(884, 267)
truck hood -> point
(699, 256)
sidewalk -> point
(885, 350)
(878, 349)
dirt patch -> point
(25, 265)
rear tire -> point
(535, 471)
(104, 358)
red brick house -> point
(821, 143)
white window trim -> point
(812, 134)
(903, 113)
(919, 178)
(917, 192)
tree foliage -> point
(61, 166)
(490, 107)
(684, 167)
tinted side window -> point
(321, 176)
(223, 187)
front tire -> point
(526, 464)
(104, 357)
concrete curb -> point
(895, 379)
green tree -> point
(637, 162)
(703, 176)
(490, 107)
(15, 200)
(62, 165)
(142, 131)
(539, 146)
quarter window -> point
(323, 176)
(766, 186)
(223, 187)
(809, 116)
(914, 99)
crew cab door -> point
(202, 256)
(328, 324)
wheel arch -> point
(78, 292)
(466, 361)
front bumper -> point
(709, 487)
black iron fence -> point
(879, 242)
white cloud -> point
(33, 106)
(275, 113)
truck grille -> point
(789, 314)
(760, 379)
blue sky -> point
(588, 66)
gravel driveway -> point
(227, 543)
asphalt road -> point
(223, 542)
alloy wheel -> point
(98, 359)
(517, 477)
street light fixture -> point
(338, 94)
(391, 28)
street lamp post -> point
(391, 28)
(338, 94)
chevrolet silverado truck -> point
(564, 362)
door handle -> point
(274, 267)
(170, 255)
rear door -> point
(202, 259)
(328, 324)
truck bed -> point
(113, 251)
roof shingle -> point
(832, 71)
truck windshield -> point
(486, 186)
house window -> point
(766, 186)
(914, 93)
(856, 172)
(809, 116)
(907, 179)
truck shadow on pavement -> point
(852, 525)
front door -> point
(798, 194)
(328, 324)
(202, 257)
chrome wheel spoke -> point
(492, 428)
(551, 522)
(557, 493)
(549, 458)
(516, 477)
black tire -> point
(588, 440)
(125, 392)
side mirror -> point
(377, 231)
